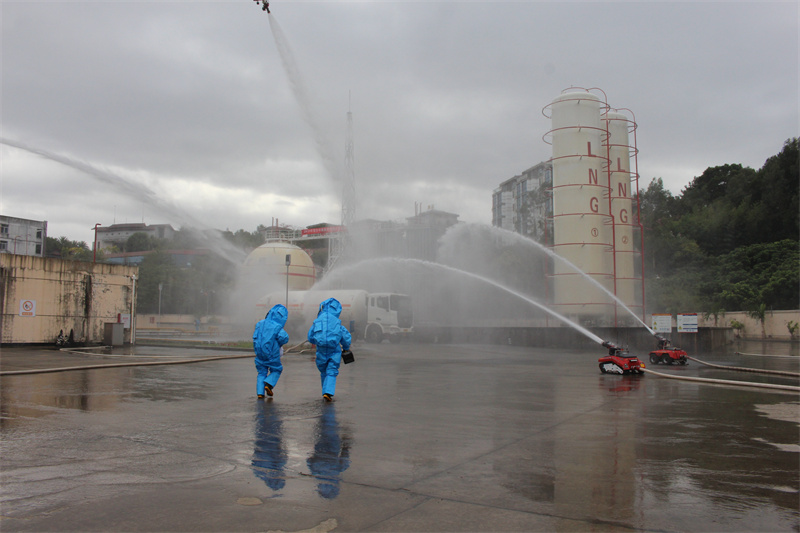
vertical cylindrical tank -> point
(619, 155)
(581, 219)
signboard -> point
(662, 323)
(27, 308)
(321, 231)
(687, 323)
(124, 318)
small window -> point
(38, 234)
(38, 249)
(383, 302)
(3, 245)
(4, 229)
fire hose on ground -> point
(136, 363)
(736, 383)
(744, 369)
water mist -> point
(373, 265)
(457, 233)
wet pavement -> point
(420, 438)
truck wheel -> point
(667, 360)
(654, 358)
(374, 335)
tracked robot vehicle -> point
(619, 361)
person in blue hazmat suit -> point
(268, 338)
(329, 336)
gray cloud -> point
(192, 99)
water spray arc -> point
(216, 242)
(346, 179)
(301, 94)
(376, 263)
(525, 241)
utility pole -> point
(288, 264)
(94, 255)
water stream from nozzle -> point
(300, 91)
(215, 241)
(530, 242)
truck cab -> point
(389, 316)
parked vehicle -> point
(370, 316)
(666, 354)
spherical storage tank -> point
(266, 267)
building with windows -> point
(22, 236)
(113, 237)
(523, 203)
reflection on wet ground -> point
(329, 457)
(441, 437)
(269, 452)
(331, 454)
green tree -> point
(729, 241)
(778, 188)
(139, 242)
(244, 239)
(71, 250)
(157, 268)
(759, 313)
(760, 273)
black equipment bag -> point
(347, 357)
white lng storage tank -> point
(582, 224)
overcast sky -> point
(189, 116)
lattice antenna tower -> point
(349, 186)
(338, 245)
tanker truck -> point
(370, 316)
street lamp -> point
(94, 255)
(133, 310)
(160, 286)
(288, 262)
(207, 293)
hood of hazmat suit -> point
(327, 331)
(278, 314)
(331, 306)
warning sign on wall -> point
(662, 323)
(687, 323)
(27, 308)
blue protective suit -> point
(268, 338)
(330, 336)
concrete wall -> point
(775, 324)
(41, 296)
(635, 339)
